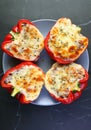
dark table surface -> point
(15, 116)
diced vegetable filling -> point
(27, 80)
(27, 44)
(65, 39)
(61, 79)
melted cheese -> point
(27, 44)
(28, 80)
(61, 79)
(65, 39)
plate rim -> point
(41, 20)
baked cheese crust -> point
(65, 40)
(61, 79)
(28, 44)
(28, 80)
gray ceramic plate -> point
(45, 62)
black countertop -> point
(16, 116)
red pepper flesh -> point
(10, 38)
(73, 95)
(20, 96)
(59, 58)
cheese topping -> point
(28, 80)
(65, 39)
(27, 44)
(61, 79)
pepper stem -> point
(14, 92)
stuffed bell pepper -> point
(65, 83)
(24, 81)
(24, 42)
(64, 42)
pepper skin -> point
(24, 42)
(21, 84)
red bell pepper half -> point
(58, 42)
(73, 94)
(24, 42)
(24, 81)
